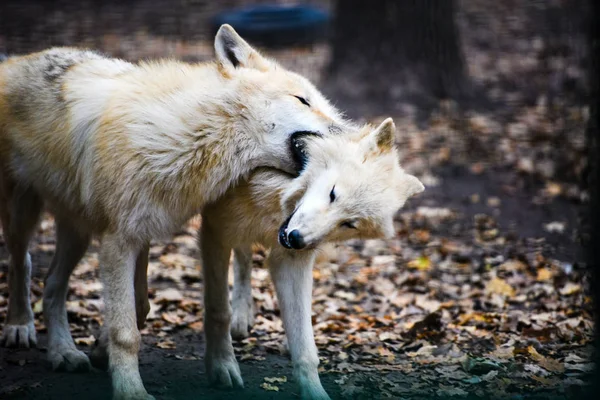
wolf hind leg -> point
(118, 256)
(70, 248)
(142, 304)
(242, 303)
(99, 354)
(20, 209)
(221, 365)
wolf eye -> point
(332, 195)
(350, 224)
(303, 100)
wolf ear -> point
(382, 138)
(234, 52)
(409, 185)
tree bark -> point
(408, 47)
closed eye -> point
(303, 101)
(350, 224)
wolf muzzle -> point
(293, 240)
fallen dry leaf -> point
(544, 274)
(421, 263)
(86, 341)
(166, 344)
(276, 379)
(499, 286)
(269, 387)
(570, 288)
(545, 362)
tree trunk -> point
(398, 48)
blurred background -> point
(515, 72)
(485, 290)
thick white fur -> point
(130, 152)
(251, 214)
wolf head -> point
(275, 104)
(351, 188)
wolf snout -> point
(292, 240)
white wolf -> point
(351, 188)
(129, 152)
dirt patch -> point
(167, 374)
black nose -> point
(296, 240)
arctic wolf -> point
(129, 152)
(351, 188)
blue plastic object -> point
(275, 25)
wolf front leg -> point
(117, 266)
(292, 275)
(241, 297)
(221, 365)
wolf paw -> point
(224, 373)
(99, 355)
(313, 392)
(242, 321)
(22, 336)
(242, 318)
(68, 358)
(133, 396)
(127, 383)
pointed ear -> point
(382, 138)
(409, 185)
(234, 52)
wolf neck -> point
(215, 163)
(194, 160)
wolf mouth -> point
(298, 149)
(282, 237)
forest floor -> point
(475, 298)
(484, 292)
